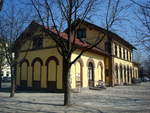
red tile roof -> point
(78, 42)
(113, 35)
(63, 35)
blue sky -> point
(126, 29)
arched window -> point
(100, 70)
(131, 72)
(24, 64)
(79, 70)
(120, 52)
(136, 73)
(128, 73)
(91, 74)
(116, 50)
(123, 53)
(52, 68)
(116, 72)
(127, 55)
(121, 72)
(125, 74)
(36, 72)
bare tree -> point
(2, 59)
(12, 23)
(115, 14)
(1, 50)
(147, 66)
(143, 31)
(60, 14)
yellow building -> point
(40, 65)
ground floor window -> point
(117, 72)
(91, 74)
(125, 74)
(121, 72)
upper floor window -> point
(81, 33)
(127, 55)
(121, 72)
(120, 53)
(37, 43)
(116, 50)
(123, 53)
(130, 57)
(131, 72)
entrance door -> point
(91, 75)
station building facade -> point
(39, 65)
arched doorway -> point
(116, 70)
(78, 74)
(131, 73)
(36, 73)
(100, 71)
(24, 73)
(52, 63)
(125, 81)
(128, 75)
(91, 74)
(121, 73)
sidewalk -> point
(119, 99)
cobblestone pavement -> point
(119, 99)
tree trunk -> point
(12, 82)
(0, 78)
(66, 82)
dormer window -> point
(37, 43)
(81, 33)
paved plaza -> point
(119, 99)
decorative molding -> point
(22, 61)
(52, 58)
(50, 47)
(92, 61)
(37, 59)
(80, 61)
(101, 64)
